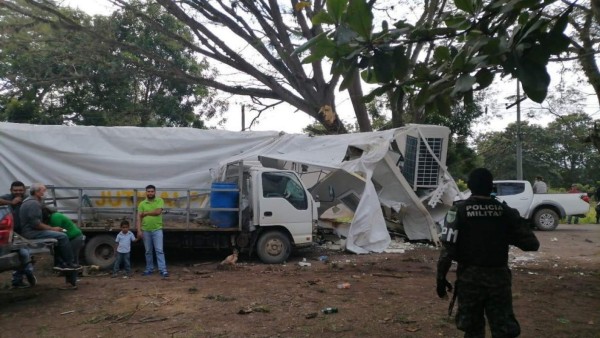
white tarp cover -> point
(126, 157)
(132, 157)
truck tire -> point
(545, 219)
(101, 251)
(273, 247)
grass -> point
(590, 217)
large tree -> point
(253, 39)
(56, 74)
(257, 39)
(498, 151)
(466, 45)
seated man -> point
(32, 226)
(75, 235)
(26, 270)
(13, 200)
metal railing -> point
(97, 208)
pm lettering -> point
(449, 235)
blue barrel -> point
(224, 199)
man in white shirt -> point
(539, 187)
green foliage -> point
(359, 19)
(57, 75)
(462, 185)
(336, 9)
(590, 216)
(376, 109)
(317, 128)
(462, 159)
(465, 5)
(556, 152)
(471, 44)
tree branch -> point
(260, 111)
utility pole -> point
(519, 136)
(243, 117)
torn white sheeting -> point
(370, 156)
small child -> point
(124, 238)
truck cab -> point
(517, 194)
(283, 212)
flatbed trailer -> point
(188, 220)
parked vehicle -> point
(254, 209)
(543, 210)
(10, 244)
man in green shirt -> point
(76, 237)
(149, 227)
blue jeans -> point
(122, 257)
(64, 245)
(76, 245)
(153, 242)
(25, 257)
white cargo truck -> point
(254, 209)
(394, 178)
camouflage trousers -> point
(485, 292)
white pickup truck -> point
(543, 210)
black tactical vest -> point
(478, 228)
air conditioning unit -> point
(422, 150)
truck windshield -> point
(284, 185)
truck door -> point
(515, 195)
(284, 201)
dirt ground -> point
(556, 294)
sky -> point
(286, 118)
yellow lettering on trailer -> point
(120, 198)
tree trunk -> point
(360, 108)
(587, 57)
(596, 10)
(397, 107)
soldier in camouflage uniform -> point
(476, 234)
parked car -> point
(543, 210)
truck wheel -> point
(545, 219)
(273, 247)
(100, 251)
